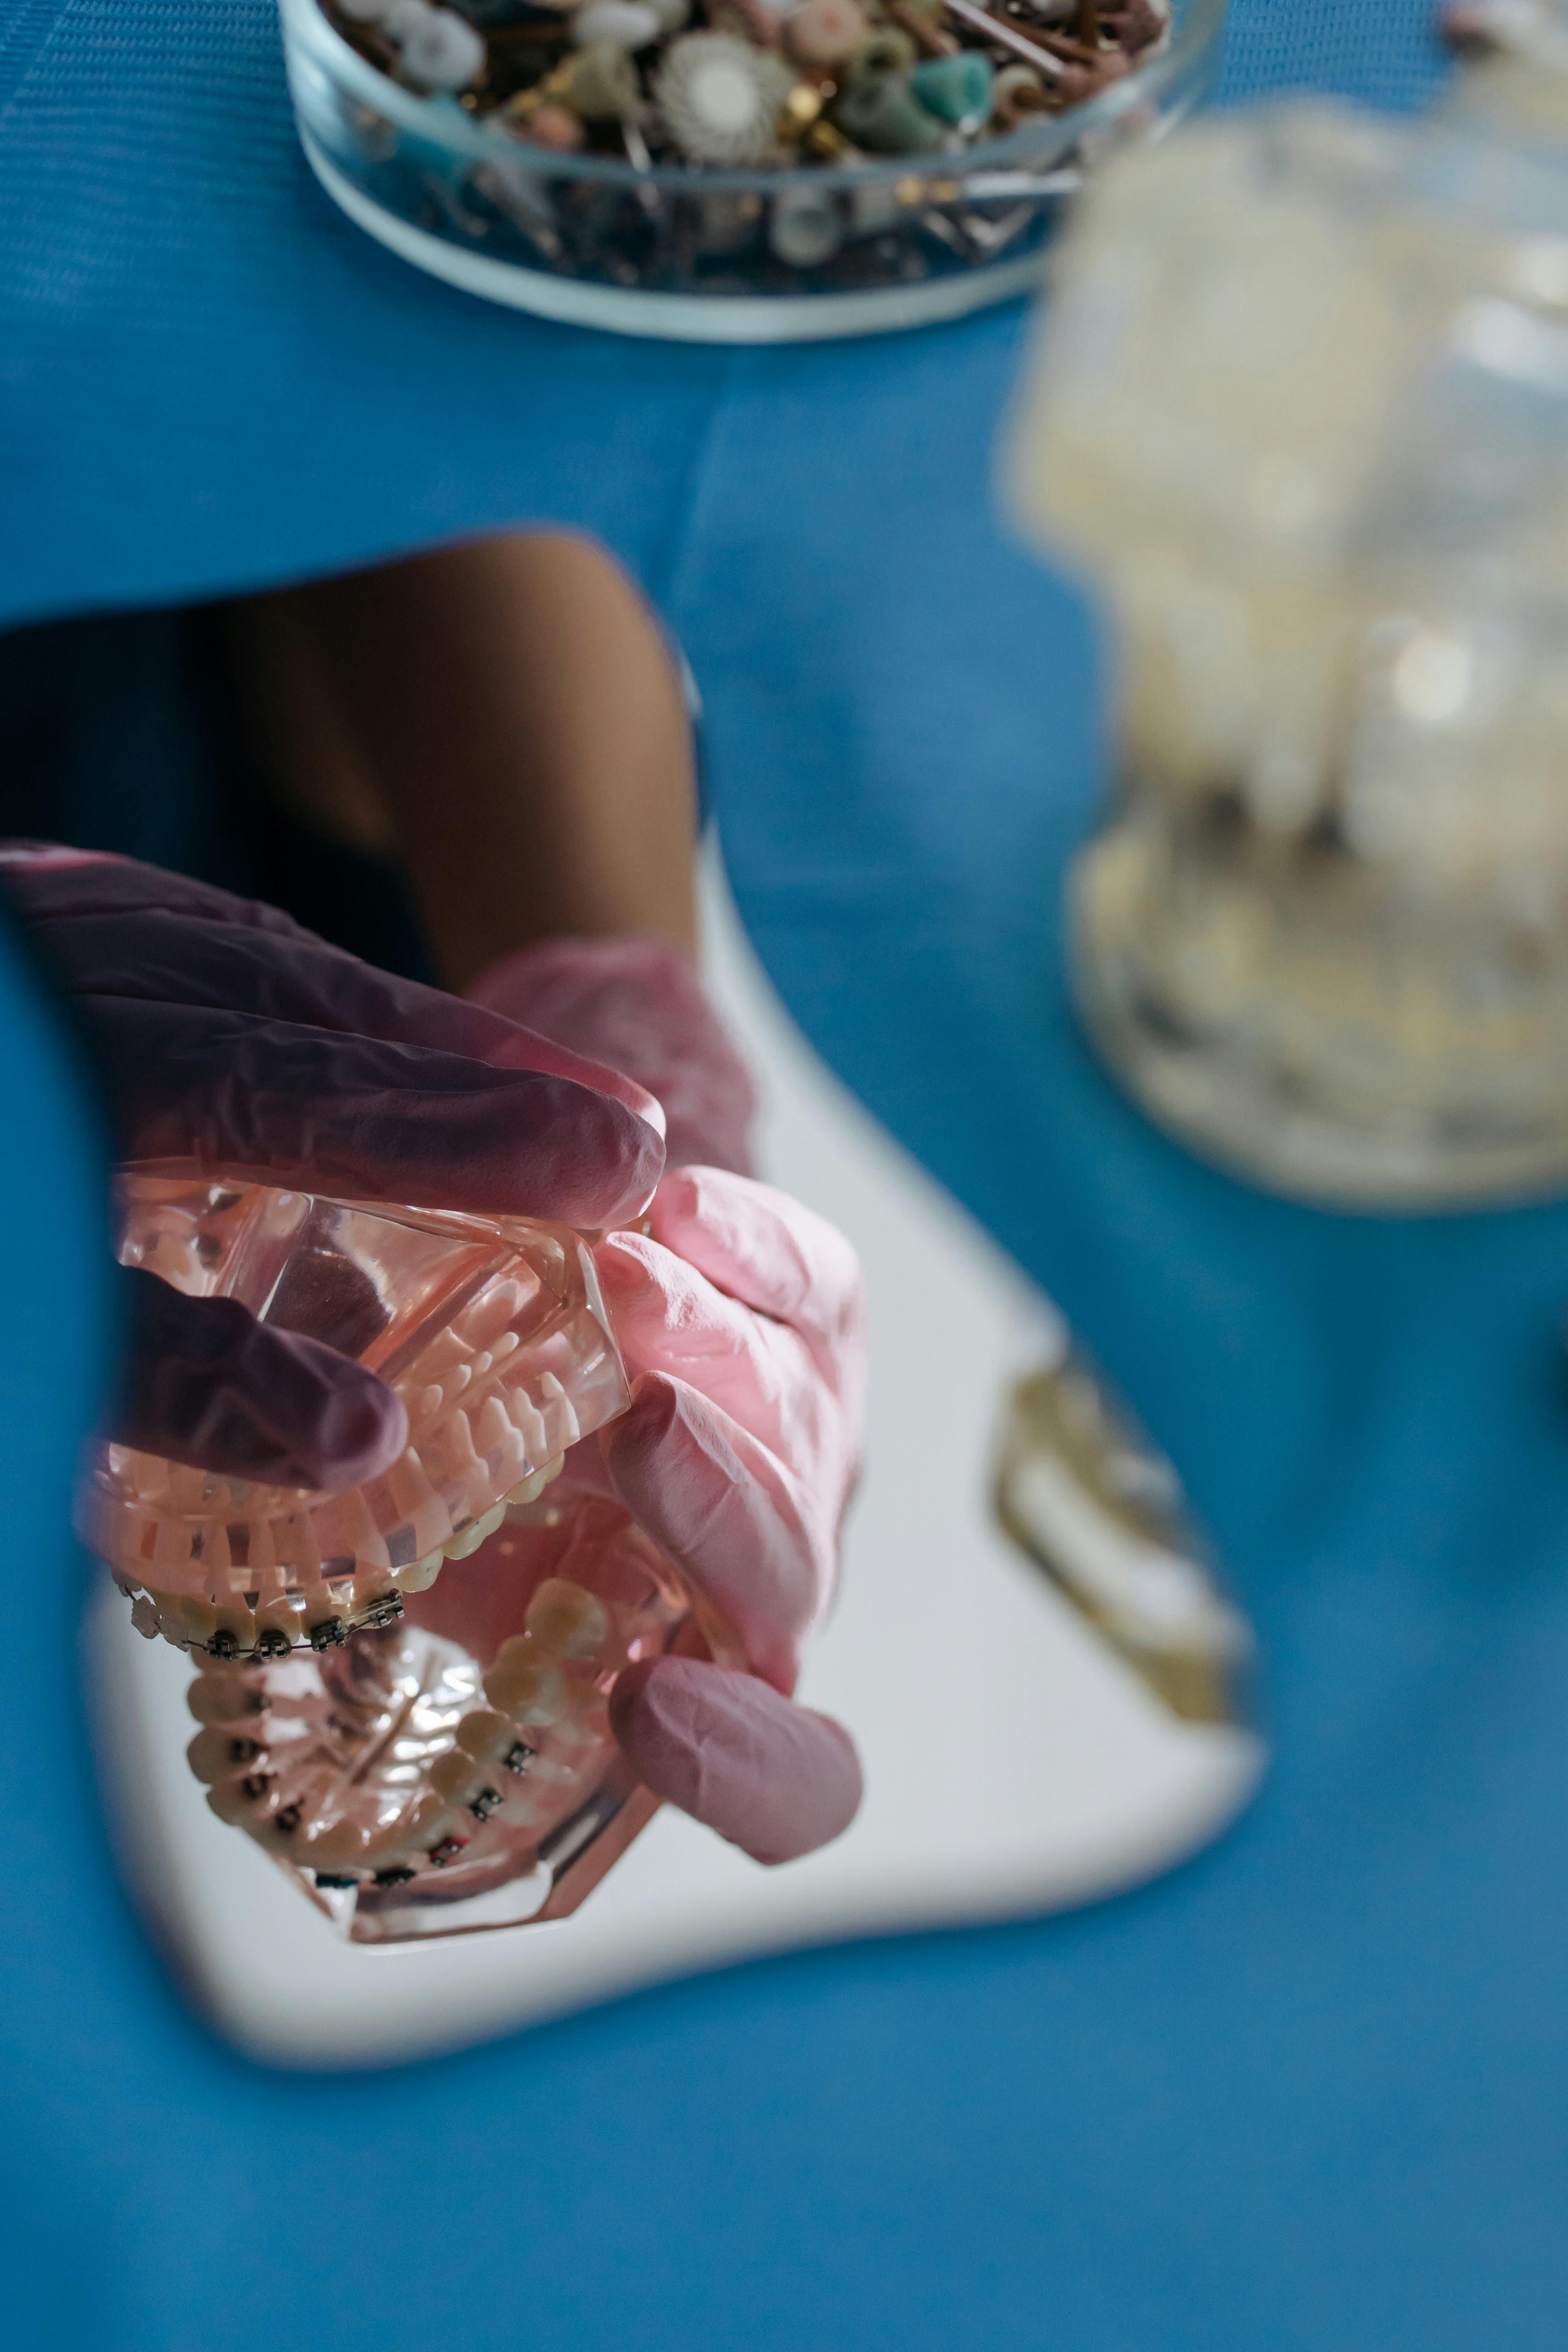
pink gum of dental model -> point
(494, 1336)
(446, 1762)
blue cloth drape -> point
(1308, 2093)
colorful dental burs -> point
(729, 84)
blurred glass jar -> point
(1302, 406)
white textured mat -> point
(1012, 1765)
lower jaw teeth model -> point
(403, 1685)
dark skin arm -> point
(505, 718)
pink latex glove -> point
(231, 1041)
(741, 1317)
(639, 1006)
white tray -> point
(1012, 1765)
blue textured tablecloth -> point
(1309, 2095)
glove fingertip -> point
(202, 1381)
(362, 1432)
(777, 1779)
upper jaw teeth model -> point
(425, 1760)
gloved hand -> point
(230, 1039)
(741, 1318)
(640, 1007)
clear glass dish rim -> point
(1193, 38)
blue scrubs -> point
(1309, 2094)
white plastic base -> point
(679, 317)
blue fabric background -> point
(1311, 2093)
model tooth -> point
(242, 1800)
(217, 1559)
(281, 1832)
(532, 1488)
(170, 1614)
(483, 1323)
(144, 1616)
(303, 1547)
(505, 1344)
(346, 1529)
(184, 1619)
(449, 1348)
(456, 1778)
(263, 1553)
(526, 1686)
(338, 1846)
(222, 1698)
(485, 1735)
(406, 1482)
(317, 1605)
(200, 1622)
(463, 1546)
(424, 1514)
(425, 1404)
(569, 1620)
(461, 1476)
(235, 1621)
(565, 1413)
(279, 1619)
(495, 1434)
(220, 1752)
(422, 1575)
(530, 1426)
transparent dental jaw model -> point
(1300, 406)
(404, 1686)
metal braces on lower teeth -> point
(516, 1759)
(547, 1682)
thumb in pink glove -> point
(741, 1317)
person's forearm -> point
(513, 709)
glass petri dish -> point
(694, 254)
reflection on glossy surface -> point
(456, 1771)
(404, 1693)
(1080, 1489)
